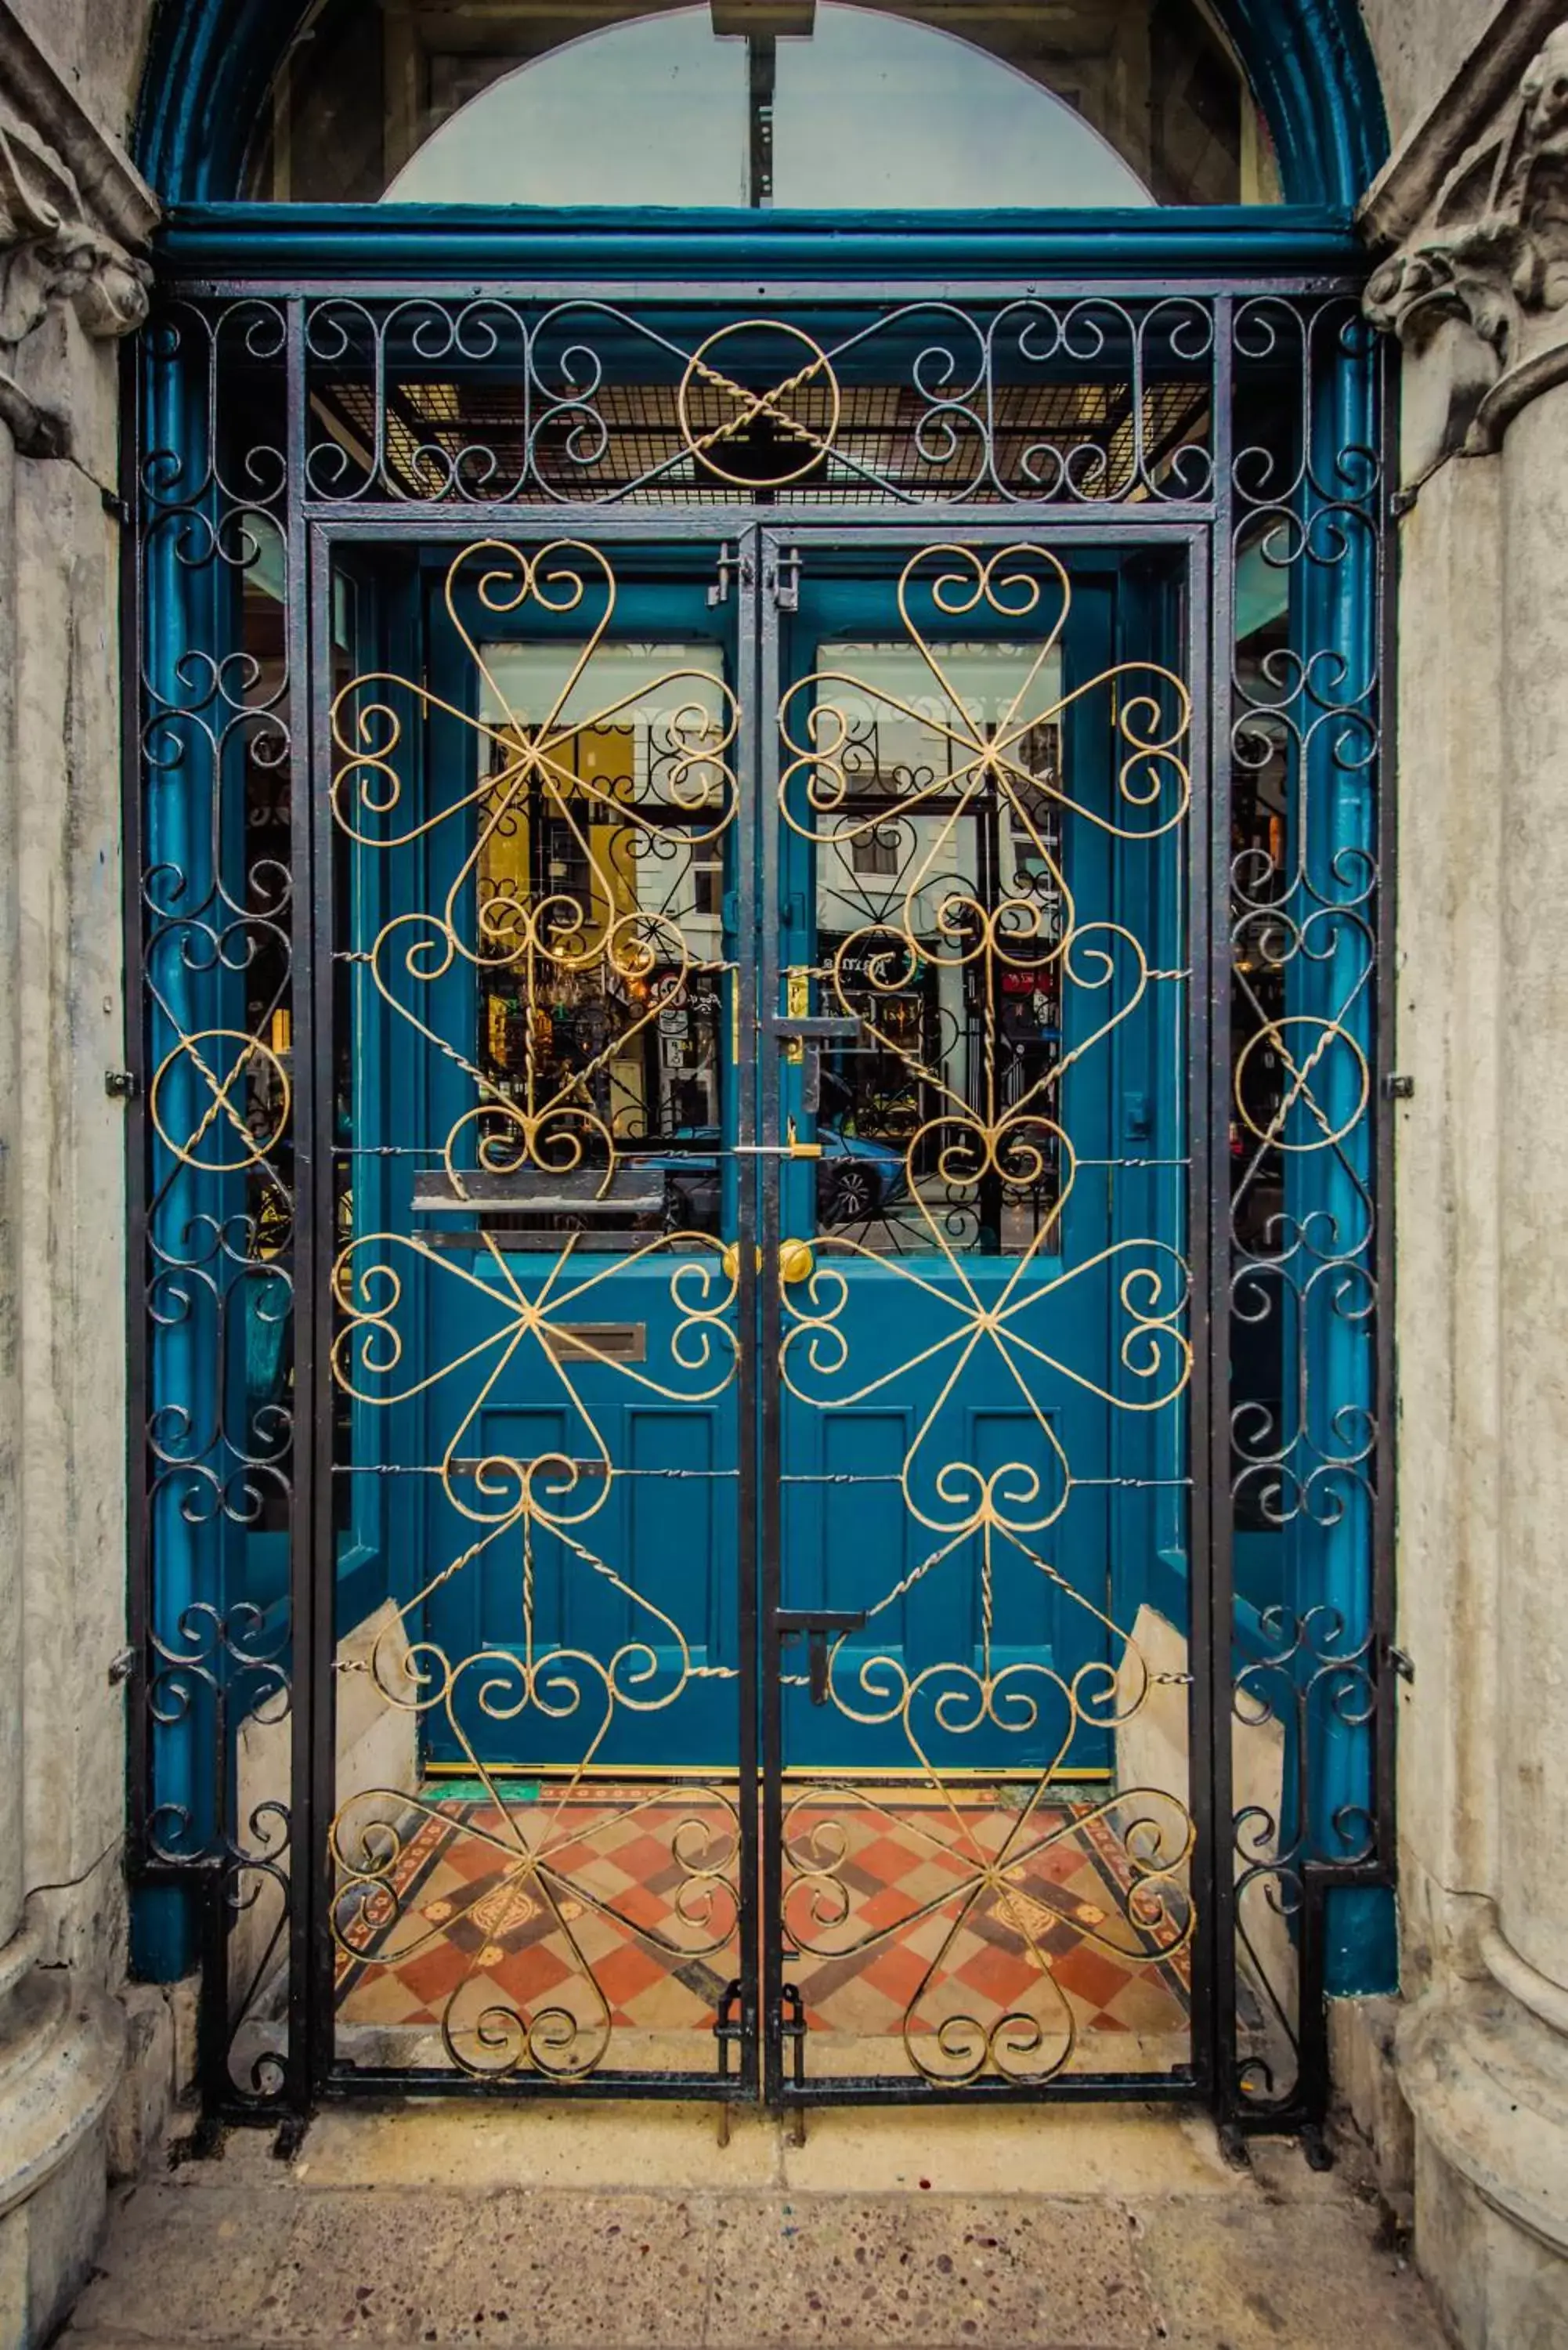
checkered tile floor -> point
(613, 1912)
(915, 1917)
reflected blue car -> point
(857, 1177)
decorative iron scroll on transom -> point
(770, 438)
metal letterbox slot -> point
(615, 1342)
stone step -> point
(632, 2228)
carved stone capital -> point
(1477, 293)
(59, 248)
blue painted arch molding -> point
(210, 62)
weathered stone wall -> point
(98, 46)
(74, 214)
(1471, 215)
(1420, 46)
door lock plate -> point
(819, 1625)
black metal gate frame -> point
(785, 2085)
(1205, 531)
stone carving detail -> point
(51, 255)
(1493, 256)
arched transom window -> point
(804, 104)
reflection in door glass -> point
(607, 854)
(927, 852)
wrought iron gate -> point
(757, 1222)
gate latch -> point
(803, 1035)
(817, 1623)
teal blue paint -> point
(842, 1546)
(1361, 1942)
(1261, 592)
(163, 1924)
(212, 1565)
(1340, 983)
(1314, 1566)
(682, 1538)
(457, 245)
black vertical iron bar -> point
(1215, 1702)
(317, 1185)
(306, 1658)
(212, 2023)
(220, 2017)
(1385, 557)
(1308, 2101)
(989, 888)
(1204, 674)
(769, 1074)
(749, 927)
(133, 867)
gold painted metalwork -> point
(797, 1262)
(1302, 1043)
(793, 441)
(945, 2043)
(529, 1318)
(236, 1143)
(1025, 1322)
(530, 1331)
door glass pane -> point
(618, 839)
(800, 103)
(922, 849)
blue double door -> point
(763, 1030)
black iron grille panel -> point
(466, 437)
(1223, 453)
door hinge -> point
(1403, 1663)
(1399, 1088)
(121, 1085)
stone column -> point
(72, 214)
(1533, 1664)
(1477, 293)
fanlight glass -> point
(800, 104)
